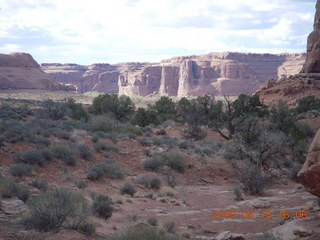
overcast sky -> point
(112, 31)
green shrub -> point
(149, 181)
(161, 132)
(21, 169)
(42, 185)
(32, 157)
(53, 210)
(128, 188)
(308, 103)
(120, 107)
(64, 153)
(144, 117)
(22, 192)
(102, 206)
(85, 152)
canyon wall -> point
(214, 73)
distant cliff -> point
(21, 71)
(214, 73)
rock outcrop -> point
(214, 73)
(309, 175)
(312, 64)
(21, 71)
(307, 82)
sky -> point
(113, 31)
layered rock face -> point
(309, 175)
(215, 74)
(21, 71)
(312, 64)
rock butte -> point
(21, 71)
(307, 82)
(214, 73)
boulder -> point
(309, 175)
(229, 236)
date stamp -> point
(265, 214)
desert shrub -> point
(85, 152)
(81, 184)
(170, 177)
(253, 179)
(128, 188)
(169, 141)
(102, 206)
(161, 132)
(308, 103)
(53, 110)
(60, 133)
(42, 185)
(21, 169)
(87, 228)
(318, 201)
(269, 236)
(113, 171)
(64, 153)
(195, 132)
(146, 141)
(170, 227)
(99, 146)
(97, 171)
(22, 192)
(112, 148)
(152, 164)
(78, 112)
(130, 130)
(14, 131)
(152, 221)
(294, 170)
(47, 154)
(9, 188)
(53, 210)
(174, 160)
(103, 125)
(149, 181)
(141, 232)
(237, 190)
(231, 151)
(41, 141)
(32, 157)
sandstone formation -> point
(214, 73)
(21, 71)
(312, 64)
(307, 82)
(309, 175)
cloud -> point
(140, 30)
(10, 48)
